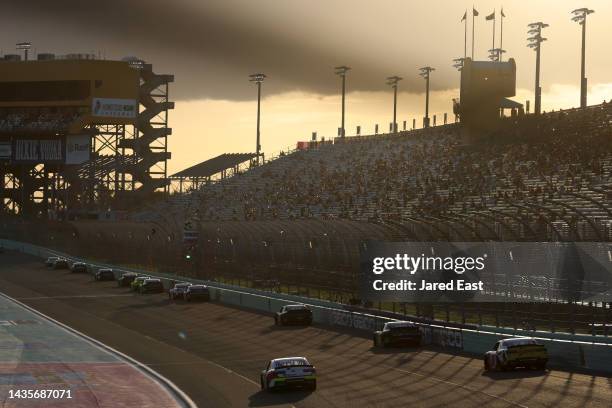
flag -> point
(502, 13)
(464, 17)
(474, 12)
(490, 16)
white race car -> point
(51, 260)
(288, 372)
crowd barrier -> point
(565, 350)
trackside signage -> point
(485, 271)
(37, 151)
(77, 149)
(114, 108)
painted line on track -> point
(178, 394)
(100, 296)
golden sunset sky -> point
(211, 47)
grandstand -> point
(535, 178)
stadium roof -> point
(509, 104)
(215, 165)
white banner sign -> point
(115, 108)
(77, 149)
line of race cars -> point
(289, 372)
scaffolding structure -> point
(127, 162)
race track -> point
(214, 353)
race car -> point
(151, 285)
(126, 279)
(78, 267)
(135, 285)
(51, 260)
(288, 372)
(60, 263)
(398, 334)
(511, 353)
(178, 291)
(293, 314)
(196, 292)
(104, 274)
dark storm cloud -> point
(211, 46)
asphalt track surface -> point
(214, 353)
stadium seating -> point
(36, 120)
(540, 178)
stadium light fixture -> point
(458, 63)
(495, 54)
(341, 71)
(258, 79)
(535, 42)
(25, 46)
(580, 17)
(425, 72)
(392, 81)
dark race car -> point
(197, 292)
(293, 314)
(151, 285)
(178, 291)
(104, 274)
(288, 372)
(79, 267)
(508, 354)
(398, 334)
(60, 263)
(126, 279)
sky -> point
(211, 46)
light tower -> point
(458, 63)
(495, 54)
(342, 70)
(393, 80)
(258, 79)
(425, 73)
(25, 46)
(535, 42)
(580, 16)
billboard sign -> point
(114, 108)
(37, 151)
(78, 148)
(5, 150)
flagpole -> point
(473, 32)
(465, 37)
(501, 35)
(494, 19)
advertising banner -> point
(5, 150)
(37, 150)
(114, 108)
(78, 148)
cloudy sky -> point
(211, 46)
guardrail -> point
(564, 350)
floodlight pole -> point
(583, 80)
(425, 73)
(580, 16)
(258, 147)
(538, 89)
(341, 71)
(536, 43)
(258, 79)
(393, 82)
(25, 46)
